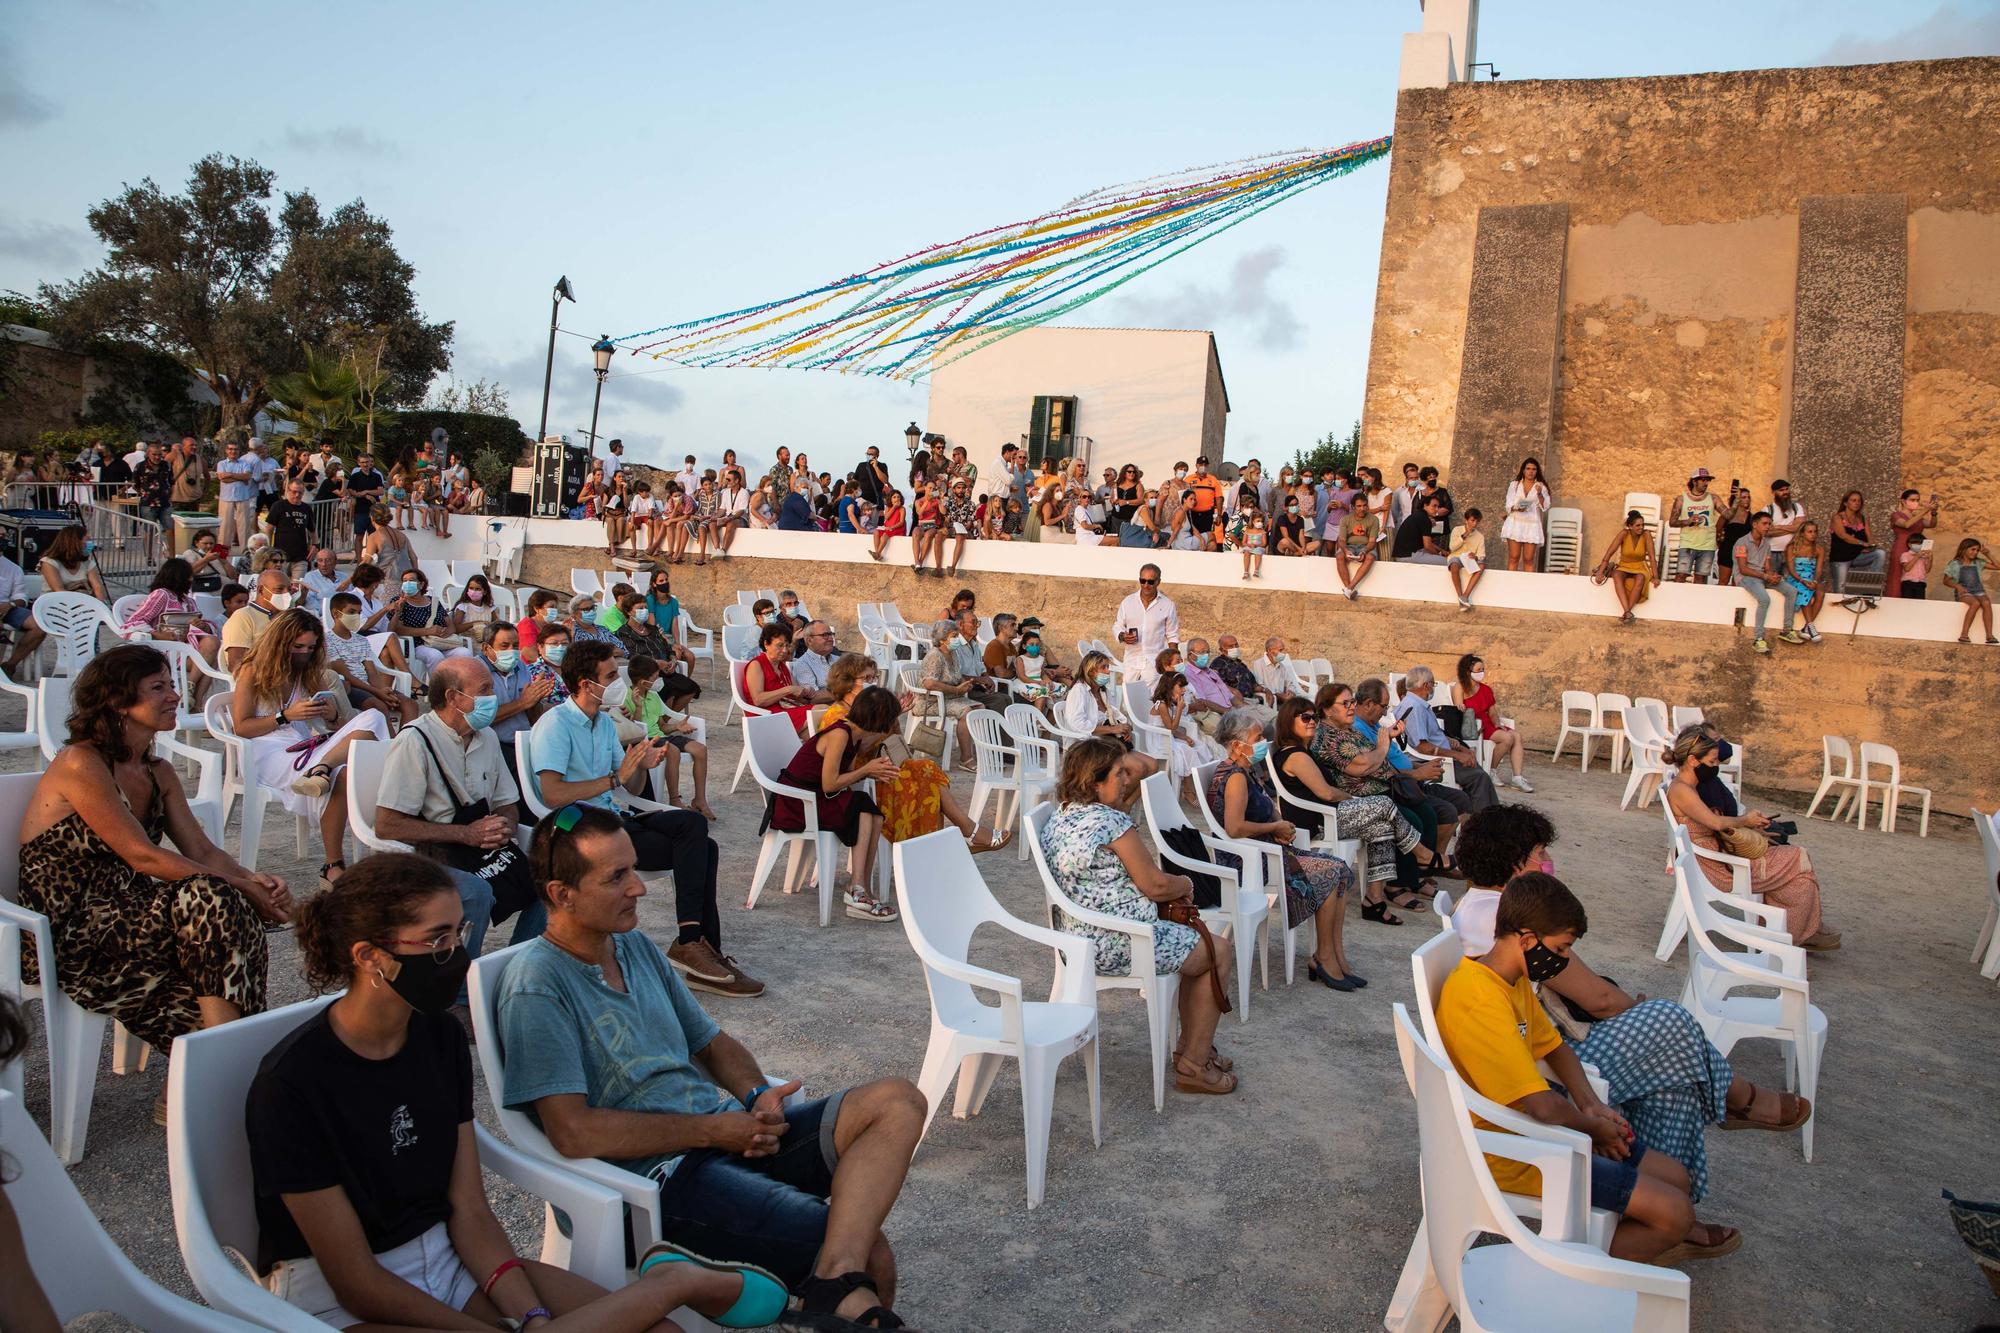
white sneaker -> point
(1519, 783)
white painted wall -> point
(1140, 394)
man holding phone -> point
(578, 760)
(1148, 622)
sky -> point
(675, 160)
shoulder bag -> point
(504, 868)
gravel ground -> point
(1291, 1205)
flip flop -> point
(761, 1301)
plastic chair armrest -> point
(1565, 1178)
(596, 1212)
(207, 764)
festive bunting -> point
(906, 318)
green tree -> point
(1341, 454)
(211, 279)
(320, 398)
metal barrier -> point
(129, 550)
(330, 524)
(66, 494)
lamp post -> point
(562, 293)
(913, 434)
(600, 353)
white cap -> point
(256, 442)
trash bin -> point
(188, 526)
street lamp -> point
(600, 353)
(913, 435)
(562, 293)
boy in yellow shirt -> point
(1494, 1030)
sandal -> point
(819, 1297)
(990, 842)
(864, 908)
(325, 881)
(761, 1301)
(1216, 1061)
(315, 781)
(1417, 905)
(1724, 1240)
(1204, 1082)
(1793, 1111)
(1379, 913)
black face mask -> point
(428, 986)
(1704, 772)
(1543, 963)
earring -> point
(378, 979)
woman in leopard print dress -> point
(165, 942)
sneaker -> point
(1761, 646)
(1519, 783)
(1790, 636)
(702, 968)
(1465, 603)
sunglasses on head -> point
(565, 818)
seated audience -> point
(583, 626)
(813, 656)
(1476, 697)
(548, 666)
(350, 656)
(446, 790)
(166, 942)
(169, 612)
(68, 566)
(234, 598)
(1373, 820)
(298, 721)
(638, 633)
(1494, 1030)
(1782, 875)
(542, 611)
(1421, 538)
(1853, 546)
(1415, 782)
(1090, 708)
(1098, 859)
(833, 762)
(1965, 575)
(16, 608)
(1664, 1074)
(246, 626)
(394, 1230)
(206, 558)
(1000, 651)
(767, 677)
(419, 625)
(1237, 675)
(602, 1040)
(1423, 733)
(474, 609)
(1467, 561)
(1170, 709)
(1035, 676)
(578, 760)
(1208, 695)
(939, 673)
(523, 693)
(1315, 883)
(666, 613)
(1277, 679)
(965, 654)
(322, 580)
(667, 718)
(1633, 571)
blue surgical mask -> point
(1201, 660)
(1103, 678)
(555, 653)
(412, 588)
(1033, 650)
(90, 548)
(550, 613)
(1282, 658)
(482, 711)
(507, 659)
(1258, 751)
(768, 618)
(588, 617)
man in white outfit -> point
(1148, 622)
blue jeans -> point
(1761, 595)
(768, 1211)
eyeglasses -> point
(445, 944)
(1308, 717)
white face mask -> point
(281, 601)
(1479, 675)
(615, 694)
(640, 615)
(1233, 652)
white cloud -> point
(1245, 301)
(1952, 30)
(19, 107)
(343, 140)
(46, 244)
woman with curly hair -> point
(165, 941)
(295, 713)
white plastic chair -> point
(1686, 715)
(586, 581)
(1875, 755)
(72, 621)
(685, 633)
(74, 1034)
(1565, 545)
(1003, 773)
(1152, 739)
(1588, 729)
(736, 613)
(240, 779)
(77, 1265)
(1551, 1278)
(187, 665)
(1836, 770)
(1351, 850)
(739, 703)
(1608, 705)
(769, 744)
(1739, 877)
(365, 761)
(1244, 902)
(28, 738)
(1772, 963)
(1647, 746)
(1160, 993)
(1988, 828)
(943, 901)
(208, 1163)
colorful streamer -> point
(907, 318)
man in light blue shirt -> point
(1424, 734)
(1447, 804)
(602, 1041)
(971, 664)
(237, 500)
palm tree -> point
(320, 398)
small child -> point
(1916, 572)
(1255, 536)
(1468, 558)
(1965, 575)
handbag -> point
(1182, 911)
(504, 868)
(1748, 843)
(1184, 841)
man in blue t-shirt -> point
(602, 1039)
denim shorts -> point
(768, 1211)
(1612, 1183)
(1697, 563)
(17, 617)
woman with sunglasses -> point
(371, 1205)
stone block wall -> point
(1684, 281)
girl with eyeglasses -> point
(371, 1205)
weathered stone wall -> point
(47, 394)
(1864, 689)
(1684, 196)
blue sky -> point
(676, 160)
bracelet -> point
(539, 1312)
(498, 1273)
(750, 1099)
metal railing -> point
(129, 549)
(67, 494)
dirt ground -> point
(1291, 1205)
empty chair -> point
(1836, 772)
(1715, 975)
(1580, 718)
(686, 632)
(943, 901)
(1611, 711)
(1535, 1279)
(586, 581)
(736, 613)
(1658, 708)
(79, 1267)
(1988, 944)
(768, 745)
(1684, 716)
(1001, 772)
(1876, 756)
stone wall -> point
(1683, 270)
(1864, 689)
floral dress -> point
(140, 949)
(1077, 842)
(1310, 877)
